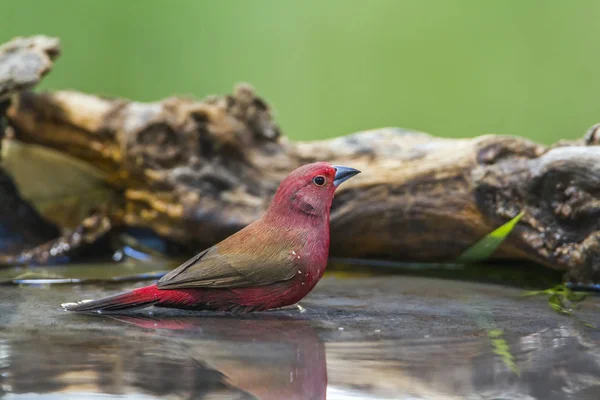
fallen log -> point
(196, 171)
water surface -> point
(360, 337)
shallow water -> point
(360, 337)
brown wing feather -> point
(244, 262)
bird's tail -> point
(138, 298)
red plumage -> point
(271, 263)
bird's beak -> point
(343, 174)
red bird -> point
(271, 263)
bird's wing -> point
(227, 267)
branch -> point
(24, 61)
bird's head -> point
(309, 190)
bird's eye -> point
(319, 180)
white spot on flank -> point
(299, 271)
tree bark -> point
(197, 171)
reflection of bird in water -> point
(173, 357)
(210, 384)
(270, 358)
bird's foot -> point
(296, 306)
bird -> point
(271, 263)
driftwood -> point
(23, 62)
(196, 171)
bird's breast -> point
(311, 265)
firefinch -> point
(271, 263)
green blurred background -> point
(451, 68)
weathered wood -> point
(24, 61)
(196, 171)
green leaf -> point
(556, 302)
(560, 298)
(588, 324)
(575, 296)
(484, 248)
